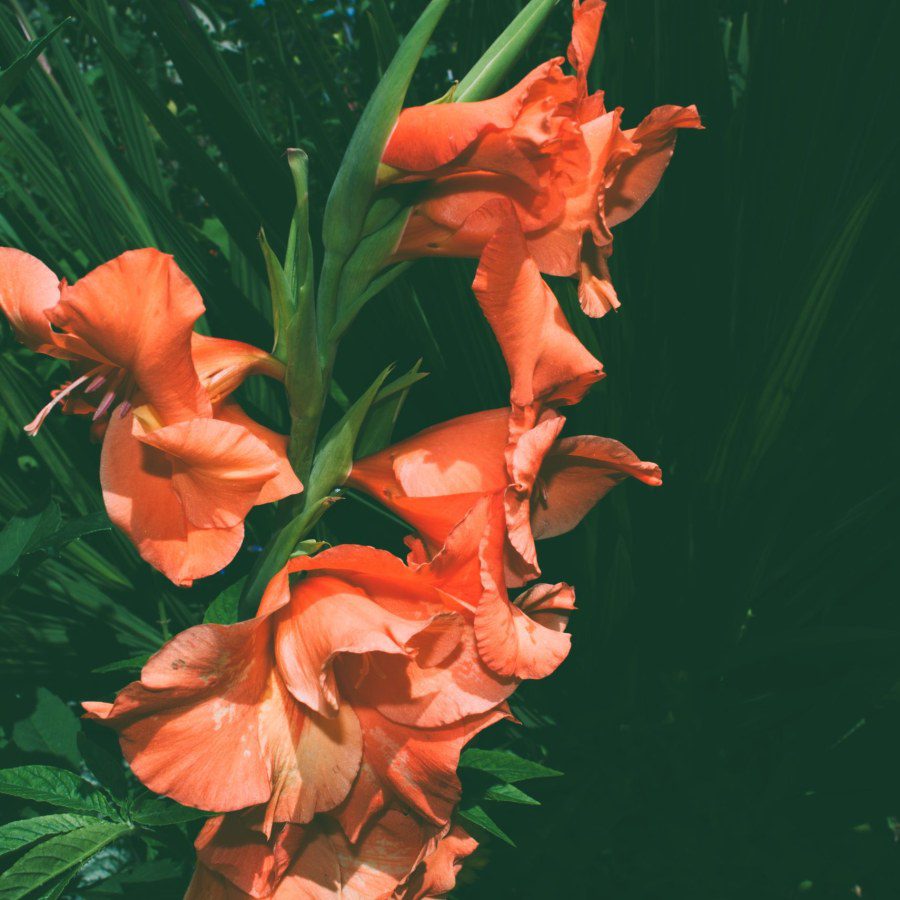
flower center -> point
(117, 387)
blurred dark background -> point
(728, 722)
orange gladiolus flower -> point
(548, 147)
(181, 465)
(547, 484)
(359, 684)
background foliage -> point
(727, 722)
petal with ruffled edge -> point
(418, 765)
(427, 138)
(222, 365)
(436, 874)
(141, 500)
(137, 312)
(546, 361)
(638, 176)
(189, 727)
(218, 468)
(576, 474)
(27, 290)
(328, 616)
(285, 483)
(586, 19)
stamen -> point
(124, 409)
(34, 426)
(97, 383)
(105, 404)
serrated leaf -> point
(48, 784)
(56, 856)
(51, 729)
(505, 765)
(157, 811)
(224, 609)
(73, 530)
(18, 835)
(22, 533)
(107, 769)
(477, 816)
(509, 793)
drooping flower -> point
(546, 484)
(356, 685)
(551, 149)
(181, 465)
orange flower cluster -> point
(327, 730)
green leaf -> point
(109, 770)
(509, 793)
(11, 77)
(157, 812)
(505, 765)
(133, 664)
(48, 784)
(23, 533)
(334, 457)
(224, 609)
(73, 530)
(477, 816)
(354, 185)
(56, 856)
(379, 424)
(278, 553)
(51, 729)
(18, 835)
(485, 76)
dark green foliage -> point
(727, 719)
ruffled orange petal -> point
(576, 474)
(222, 365)
(188, 728)
(142, 501)
(547, 363)
(586, 19)
(436, 874)
(426, 138)
(638, 176)
(218, 468)
(326, 617)
(418, 765)
(285, 482)
(27, 290)
(137, 313)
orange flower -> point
(398, 856)
(181, 465)
(546, 484)
(548, 147)
(358, 683)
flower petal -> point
(436, 874)
(285, 482)
(546, 362)
(141, 500)
(27, 290)
(418, 765)
(576, 474)
(188, 728)
(638, 176)
(218, 468)
(137, 312)
(586, 19)
(427, 138)
(328, 616)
